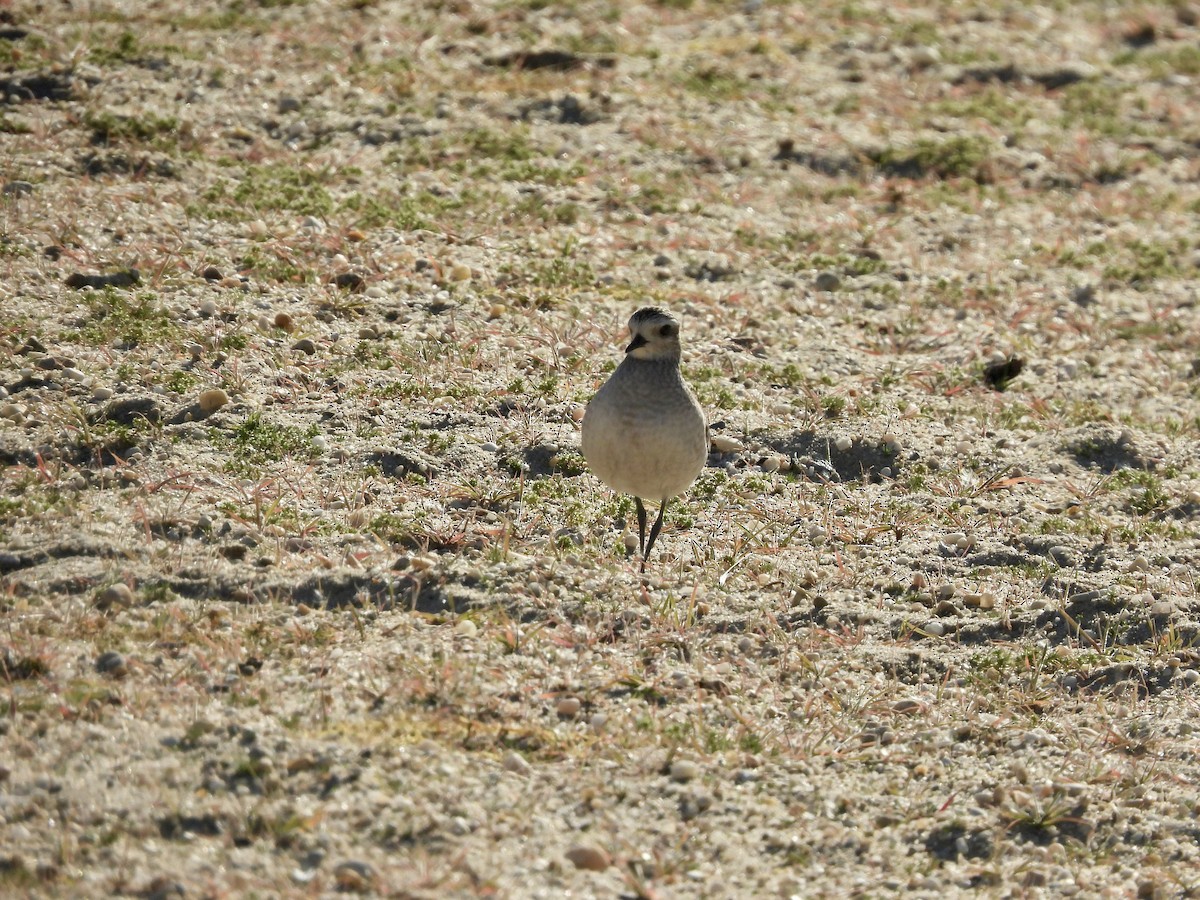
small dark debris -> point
(350, 281)
(174, 828)
(13, 34)
(17, 188)
(21, 668)
(999, 374)
(112, 663)
(1142, 34)
(211, 273)
(128, 410)
(127, 278)
(250, 666)
(709, 271)
(559, 60)
(1003, 73)
(952, 841)
(52, 252)
(37, 86)
(234, 552)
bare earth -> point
(306, 589)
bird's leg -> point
(654, 530)
(641, 511)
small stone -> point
(211, 273)
(908, 706)
(568, 707)
(208, 308)
(130, 410)
(100, 394)
(843, 443)
(827, 282)
(934, 629)
(945, 608)
(305, 345)
(211, 400)
(354, 876)
(817, 534)
(684, 770)
(284, 322)
(496, 310)
(772, 463)
(115, 595)
(466, 628)
(724, 444)
(350, 281)
(459, 272)
(1063, 556)
(515, 762)
(589, 857)
(112, 663)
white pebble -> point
(212, 400)
(725, 444)
(842, 443)
(467, 628)
(684, 770)
(934, 628)
(208, 308)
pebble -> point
(305, 345)
(908, 706)
(212, 400)
(285, 322)
(119, 595)
(842, 443)
(568, 707)
(684, 770)
(100, 394)
(724, 444)
(466, 628)
(827, 281)
(112, 663)
(496, 310)
(208, 308)
(460, 272)
(353, 875)
(934, 628)
(589, 857)
(515, 762)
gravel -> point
(307, 590)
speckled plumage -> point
(644, 433)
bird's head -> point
(655, 334)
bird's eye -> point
(666, 331)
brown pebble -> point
(211, 400)
(305, 345)
(285, 322)
(589, 857)
(119, 595)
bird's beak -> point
(638, 341)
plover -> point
(644, 433)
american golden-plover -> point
(644, 433)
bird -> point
(644, 433)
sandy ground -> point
(306, 587)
